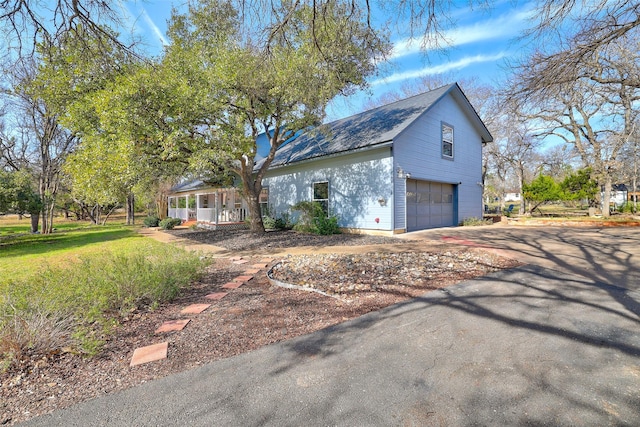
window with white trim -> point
(321, 195)
(447, 141)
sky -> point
(478, 47)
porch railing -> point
(226, 215)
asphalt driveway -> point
(610, 255)
(536, 345)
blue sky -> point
(478, 46)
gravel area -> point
(407, 274)
(244, 240)
(252, 316)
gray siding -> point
(418, 151)
(357, 183)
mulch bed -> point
(243, 240)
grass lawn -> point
(70, 287)
(23, 254)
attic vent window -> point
(447, 141)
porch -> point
(213, 209)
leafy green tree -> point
(580, 186)
(80, 88)
(541, 190)
(18, 196)
(231, 81)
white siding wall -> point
(356, 184)
(418, 152)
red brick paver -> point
(232, 285)
(149, 353)
(195, 308)
(240, 261)
(173, 325)
(216, 295)
(242, 279)
(262, 265)
(252, 271)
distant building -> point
(512, 197)
(619, 195)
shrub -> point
(151, 221)
(471, 222)
(79, 305)
(269, 222)
(627, 207)
(283, 222)
(326, 226)
(170, 223)
(313, 219)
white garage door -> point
(429, 205)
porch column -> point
(197, 205)
(187, 206)
(216, 210)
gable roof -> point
(371, 128)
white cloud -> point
(154, 27)
(439, 69)
(507, 25)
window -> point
(321, 195)
(204, 201)
(447, 141)
(264, 201)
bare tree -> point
(593, 26)
(27, 23)
(37, 143)
(559, 160)
(515, 151)
(596, 119)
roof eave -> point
(375, 146)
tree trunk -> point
(255, 216)
(606, 197)
(35, 218)
(520, 175)
(131, 220)
(162, 205)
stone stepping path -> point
(216, 295)
(172, 325)
(156, 352)
(149, 353)
(232, 285)
(195, 308)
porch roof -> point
(196, 186)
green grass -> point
(25, 255)
(69, 288)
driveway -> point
(528, 346)
(610, 255)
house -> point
(512, 196)
(406, 166)
(210, 206)
(618, 195)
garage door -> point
(429, 205)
